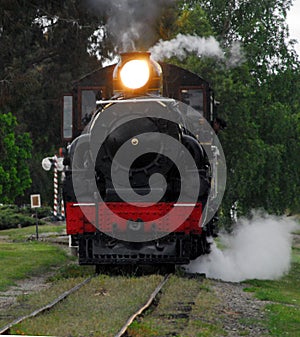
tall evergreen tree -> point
(43, 49)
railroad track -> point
(172, 310)
(140, 311)
(6, 329)
(177, 303)
(122, 332)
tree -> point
(15, 151)
(259, 99)
(43, 49)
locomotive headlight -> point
(135, 74)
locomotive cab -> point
(104, 84)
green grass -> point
(21, 260)
(284, 290)
(138, 329)
(159, 321)
(283, 320)
(19, 234)
(283, 314)
(72, 271)
(99, 309)
(29, 302)
(199, 328)
(206, 321)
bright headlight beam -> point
(135, 74)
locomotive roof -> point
(171, 72)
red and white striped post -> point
(62, 208)
(55, 182)
(57, 165)
(62, 205)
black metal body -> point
(174, 248)
(99, 248)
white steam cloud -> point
(131, 23)
(259, 248)
(183, 45)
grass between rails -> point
(283, 296)
(98, 309)
(204, 320)
(180, 293)
(64, 279)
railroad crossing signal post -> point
(57, 164)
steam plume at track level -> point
(259, 248)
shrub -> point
(12, 216)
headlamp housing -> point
(137, 74)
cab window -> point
(193, 97)
(88, 98)
(67, 117)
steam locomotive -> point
(139, 170)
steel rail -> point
(143, 308)
(49, 306)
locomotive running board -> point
(135, 100)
